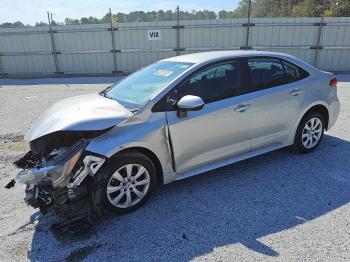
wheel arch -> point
(320, 108)
(151, 155)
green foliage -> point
(140, 16)
(14, 24)
(259, 8)
(69, 21)
(295, 8)
(41, 23)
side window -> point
(214, 83)
(265, 72)
(293, 72)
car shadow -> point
(237, 204)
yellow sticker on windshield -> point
(163, 73)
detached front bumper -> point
(46, 197)
(58, 180)
(37, 197)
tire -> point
(309, 133)
(132, 193)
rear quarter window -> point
(293, 72)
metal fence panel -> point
(22, 64)
(335, 41)
(134, 36)
(92, 63)
(334, 60)
(89, 49)
(25, 43)
(81, 41)
(131, 61)
(204, 35)
(135, 50)
(288, 32)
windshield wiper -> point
(104, 93)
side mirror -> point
(190, 103)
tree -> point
(14, 24)
(311, 8)
(242, 9)
(69, 21)
(41, 23)
(259, 8)
(286, 8)
(223, 14)
(89, 20)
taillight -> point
(333, 82)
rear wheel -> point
(128, 182)
(309, 133)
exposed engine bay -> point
(56, 168)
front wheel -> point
(309, 133)
(128, 182)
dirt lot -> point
(281, 206)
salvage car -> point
(173, 119)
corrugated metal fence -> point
(125, 47)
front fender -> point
(150, 134)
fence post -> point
(248, 24)
(177, 30)
(2, 73)
(54, 52)
(319, 35)
(113, 42)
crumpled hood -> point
(80, 113)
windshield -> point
(134, 91)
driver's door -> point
(221, 129)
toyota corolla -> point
(173, 119)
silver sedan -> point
(176, 118)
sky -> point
(32, 11)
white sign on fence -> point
(153, 34)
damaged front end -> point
(56, 169)
(57, 176)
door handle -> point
(242, 108)
(295, 92)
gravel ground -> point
(281, 206)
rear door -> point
(278, 97)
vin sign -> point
(153, 34)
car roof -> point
(217, 55)
(213, 56)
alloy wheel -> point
(128, 185)
(312, 133)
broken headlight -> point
(56, 171)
